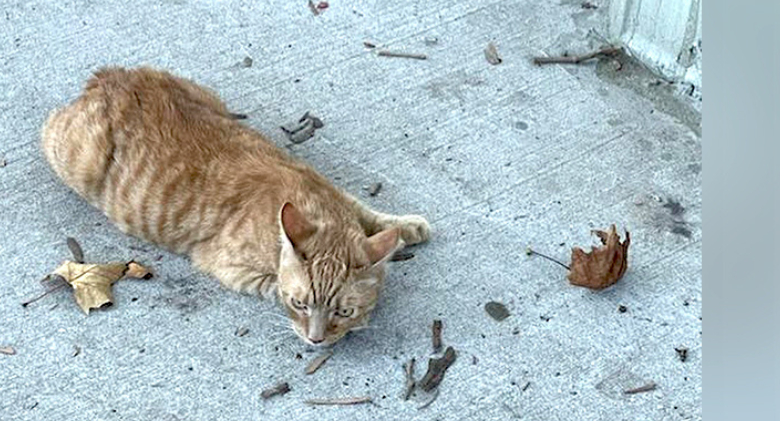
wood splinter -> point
(339, 401)
(279, 389)
(641, 389)
(602, 52)
(389, 53)
(436, 331)
(436, 369)
(410, 383)
(400, 256)
(317, 362)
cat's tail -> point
(77, 140)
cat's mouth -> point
(325, 343)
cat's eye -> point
(298, 304)
(345, 312)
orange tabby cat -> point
(166, 161)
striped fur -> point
(165, 161)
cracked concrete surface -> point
(497, 157)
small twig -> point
(374, 189)
(313, 8)
(338, 401)
(388, 53)
(409, 370)
(436, 369)
(646, 388)
(436, 335)
(429, 401)
(400, 256)
(682, 353)
(279, 389)
(530, 251)
(7, 350)
(316, 121)
(603, 52)
(75, 250)
(369, 44)
(317, 362)
(242, 331)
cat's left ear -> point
(295, 227)
(381, 246)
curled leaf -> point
(604, 265)
(92, 283)
(134, 270)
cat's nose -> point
(316, 340)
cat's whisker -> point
(280, 338)
(280, 326)
(364, 327)
(274, 315)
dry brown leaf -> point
(604, 265)
(91, 283)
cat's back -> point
(141, 144)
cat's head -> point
(329, 277)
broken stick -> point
(339, 401)
(646, 388)
(603, 52)
(279, 389)
(436, 330)
(389, 53)
(317, 362)
(409, 370)
(436, 369)
(313, 8)
(400, 256)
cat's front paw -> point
(414, 229)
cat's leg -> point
(247, 280)
(414, 228)
(235, 275)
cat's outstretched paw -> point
(414, 229)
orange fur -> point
(164, 160)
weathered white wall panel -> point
(664, 34)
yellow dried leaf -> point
(603, 266)
(91, 283)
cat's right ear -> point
(381, 246)
(295, 227)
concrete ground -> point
(498, 157)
